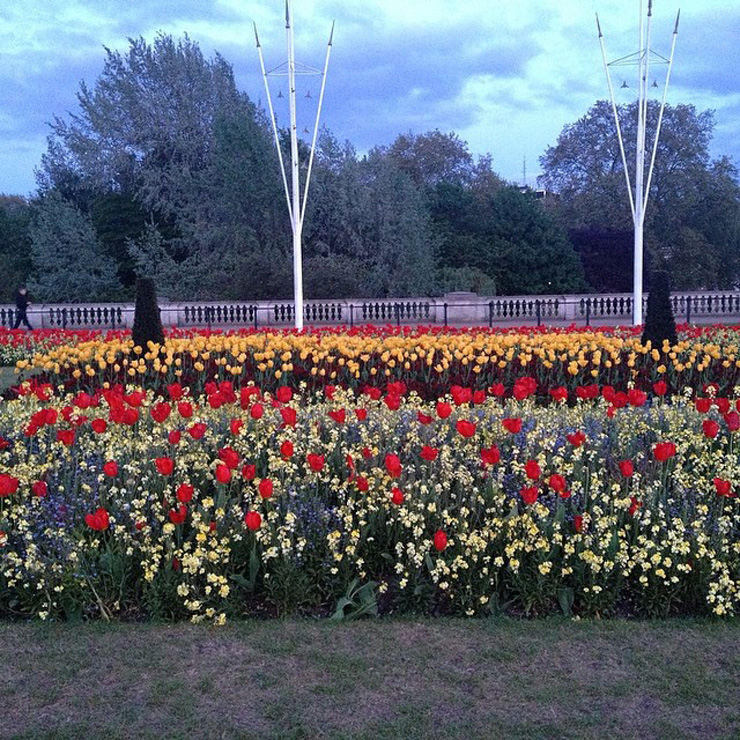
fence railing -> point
(452, 309)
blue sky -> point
(504, 76)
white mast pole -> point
(638, 202)
(616, 119)
(274, 124)
(296, 206)
(639, 218)
(295, 170)
(316, 124)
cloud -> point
(506, 77)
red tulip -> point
(339, 415)
(111, 468)
(160, 412)
(490, 455)
(40, 488)
(703, 405)
(636, 397)
(98, 521)
(635, 505)
(249, 472)
(175, 391)
(82, 400)
(179, 515)
(66, 436)
(286, 449)
(361, 414)
(626, 468)
(253, 520)
(465, 428)
(257, 411)
(524, 387)
(393, 465)
(229, 457)
(289, 417)
(660, 388)
(710, 428)
(397, 496)
(664, 451)
(532, 470)
(512, 425)
(733, 421)
(424, 418)
(266, 488)
(284, 393)
(362, 483)
(429, 453)
(578, 523)
(235, 426)
(497, 389)
(223, 473)
(723, 488)
(440, 540)
(461, 396)
(196, 431)
(559, 394)
(165, 465)
(315, 462)
(392, 401)
(8, 484)
(529, 494)
(576, 439)
(99, 425)
(444, 409)
(557, 483)
(185, 409)
(184, 493)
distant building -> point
(538, 193)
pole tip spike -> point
(331, 33)
(598, 25)
(678, 18)
(256, 37)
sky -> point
(506, 77)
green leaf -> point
(566, 598)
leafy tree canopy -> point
(692, 217)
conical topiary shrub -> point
(147, 321)
(659, 322)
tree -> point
(69, 263)
(147, 321)
(525, 250)
(659, 322)
(166, 130)
(367, 227)
(15, 244)
(585, 169)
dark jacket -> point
(22, 300)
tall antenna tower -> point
(638, 201)
(295, 199)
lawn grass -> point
(404, 679)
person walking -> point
(22, 302)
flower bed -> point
(513, 497)
(429, 360)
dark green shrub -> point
(147, 321)
(659, 321)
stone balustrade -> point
(452, 309)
